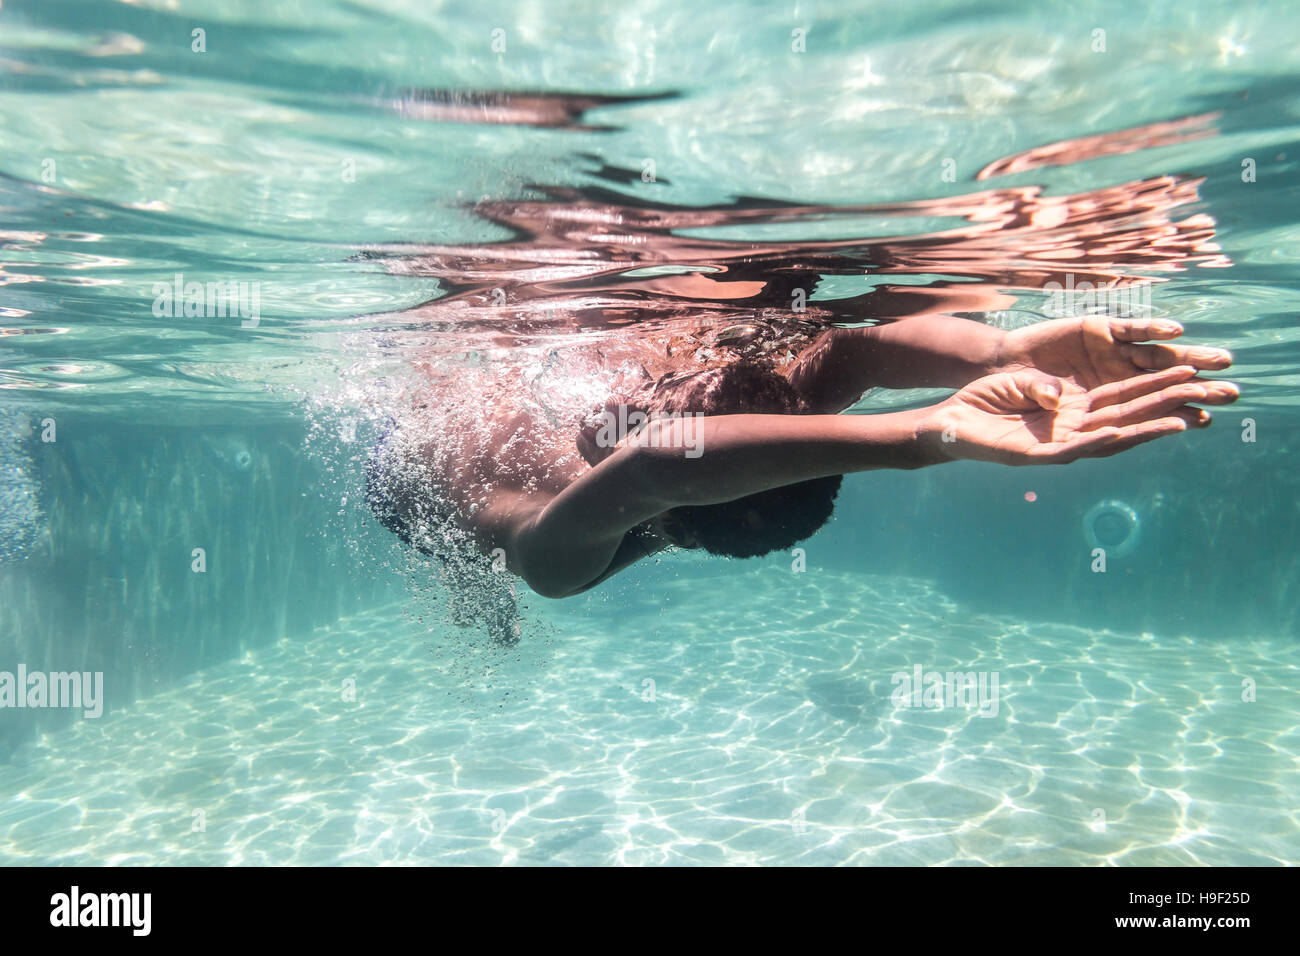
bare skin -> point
(1050, 393)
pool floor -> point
(744, 717)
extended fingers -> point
(1106, 441)
(1128, 332)
(1167, 356)
(1144, 330)
(1131, 436)
(1167, 401)
(1085, 445)
(1128, 389)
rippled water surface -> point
(476, 189)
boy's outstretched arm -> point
(1012, 418)
(927, 351)
(941, 351)
(562, 547)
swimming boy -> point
(742, 456)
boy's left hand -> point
(1098, 350)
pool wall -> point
(107, 577)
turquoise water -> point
(307, 695)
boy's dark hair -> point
(760, 523)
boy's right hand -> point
(1031, 418)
